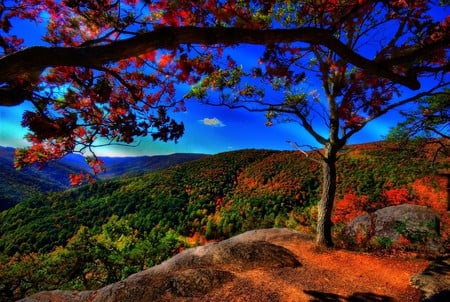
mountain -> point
(120, 166)
(16, 185)
(88, 237)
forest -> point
(112, 72)
(19, 184)
(91, 236)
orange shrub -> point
(430, 191)
(396, 196)
(349, 207)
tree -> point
(112, 68)
(431, 120)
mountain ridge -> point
(16, 185)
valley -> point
(17, 185)
(88, 237)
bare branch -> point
(299, 148)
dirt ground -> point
(325, 275)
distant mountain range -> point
(121, 166)
(15, 185)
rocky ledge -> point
(192, 273)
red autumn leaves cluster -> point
(425, 191)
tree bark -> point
(325, 206)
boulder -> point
(434, 281)
(419, 224)
(192, 273)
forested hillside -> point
(94, 235)
(17, 185)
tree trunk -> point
(325, 206)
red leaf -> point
(76, 179)
(151, 55)
(164, 60)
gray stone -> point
(360, 225)
(417, 223)
(434, 281)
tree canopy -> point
(429, 123)
(431, 119)
(111, 69)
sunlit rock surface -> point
(194, 272)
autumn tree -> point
(111, 69)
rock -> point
(419, 224)
(360, 225)
(192, 273)
(198, 282)
(62, 296)
(434, 281)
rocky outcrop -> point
(434, 281)
(192, 273)
(419, 224)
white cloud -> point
(212, 122)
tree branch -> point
(411, 54)
(393, 106)
(36, 59)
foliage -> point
(97, 234)
(113, 69)
(430, 120)
(16, 185)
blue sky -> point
(208, 129)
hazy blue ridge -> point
(17, 185)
